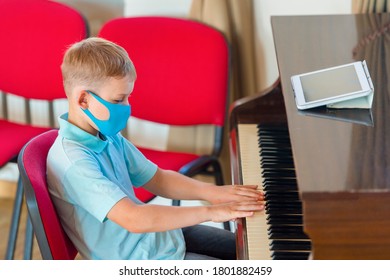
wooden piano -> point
(326, 173)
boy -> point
(92, 170)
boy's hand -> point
(229, 193)
(233, 210)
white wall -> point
(177, 8)
(264, 9)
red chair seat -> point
(17, 136)
(165, 160)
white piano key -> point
(258, 241)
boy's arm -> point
(174, 185)
(154, 218)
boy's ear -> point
(82, 99)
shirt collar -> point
(74, 133)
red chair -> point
(182, 79)
(35, 34)
(53, 242)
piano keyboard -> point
(266, 160)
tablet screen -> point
(316, 86)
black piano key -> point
(278, 149)
(278, 187)
(280, 210)
(275, 210)
(281, 201)
(273, 130)
(286, 232)
(290, 255)
(281, 196)
(277, 141)
(285, 220)
(283, 205)
(272, 144)
(285, 228)
(287, 194)
(285, 208)
(284, 172)
(271, 204)
(268, 155)
(285, 181)
(280, 184)
(272, 155)
(287, 245)
(283, 216)
(274, 134)
(287, 235)
(276, 163)
(272, 165)
(275, 147)
(267, 140)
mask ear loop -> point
(119, 114)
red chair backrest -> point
(32, 164)
(34, 35)
(182, 69)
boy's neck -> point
(80, 122)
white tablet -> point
(331, 85)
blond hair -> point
(92, 61)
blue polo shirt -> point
(87, 176)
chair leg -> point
(14, 227)
(28, 242)
(219, 181)
(226, 225)
(175, 202)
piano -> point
(326, 179)
(261, 155)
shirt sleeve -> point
(140, 168)
(87, 187)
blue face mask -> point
(119, 114)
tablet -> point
(331, 85)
